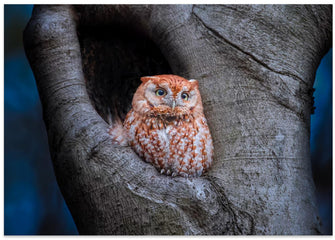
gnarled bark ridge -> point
(255, 65)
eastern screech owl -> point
(166, 126)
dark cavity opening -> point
(114, 59)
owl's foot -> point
(181, 173)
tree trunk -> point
(255, 65)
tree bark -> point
(255, 65)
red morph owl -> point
(167, 127)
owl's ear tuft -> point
(194, 82)
(147, 78)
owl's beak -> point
(173, 105)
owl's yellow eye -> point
(160, 92)
(184, 96)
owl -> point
(167, 127)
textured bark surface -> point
(255, 65)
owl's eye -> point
(184, 96)
(160, 92)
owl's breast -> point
(177, 147)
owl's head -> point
(168, 95)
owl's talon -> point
(183, 174)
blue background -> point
(33, 202)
